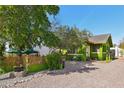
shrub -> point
(8, 68)
(80, 58)
(83, 58)
(54, 61)
(69, 57)
(5, 67)
(108, 59)
(82, 50)
(104, 56)
(36, 68)
(76, 57)
(1, 71)
(94, 55)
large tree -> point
(28, 26)
(3, 39)
(61, 32)
(71, 38)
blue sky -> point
(97, 19)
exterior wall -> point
(42, 50)
(117, 51)
(101, 53)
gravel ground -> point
(75, 75)
(95, 75)
(6, 82)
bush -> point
(76, 57)
(104, 56)
(82, 50)
(1, 71)
(54, 61)
(69, 57)
(36, 68)
(8, 68)
(80, 58)
(94, 55)
(5, 67)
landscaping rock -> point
(20, 74)
(12, 75)
(13, 78)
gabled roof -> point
(99, 39)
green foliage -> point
(84, 58)
(27, 26)
(8, 68)
(94, 55)
(104, 56)
(71, 38)
(75, 57)
(36, 68)
(100, 55)
(108, 58)
(5, 67)
(69, 57)
(2, 39)
(2, 49)
(63, 51)
(81, 58)
(2, 71)
(82, 50)
(54, 61)
(78, 58)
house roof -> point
(99, 39)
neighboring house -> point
(117, 52)
(99, 46)
(42, 50)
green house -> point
(99, 47)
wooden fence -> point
(30, 59)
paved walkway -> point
(88, 75)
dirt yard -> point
(91, 75)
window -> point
(95, 48)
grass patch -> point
(36, 68)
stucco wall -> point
(42, 50)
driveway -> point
(91, 75)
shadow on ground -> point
(72, 67)
(5, 78)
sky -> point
(97, 19)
